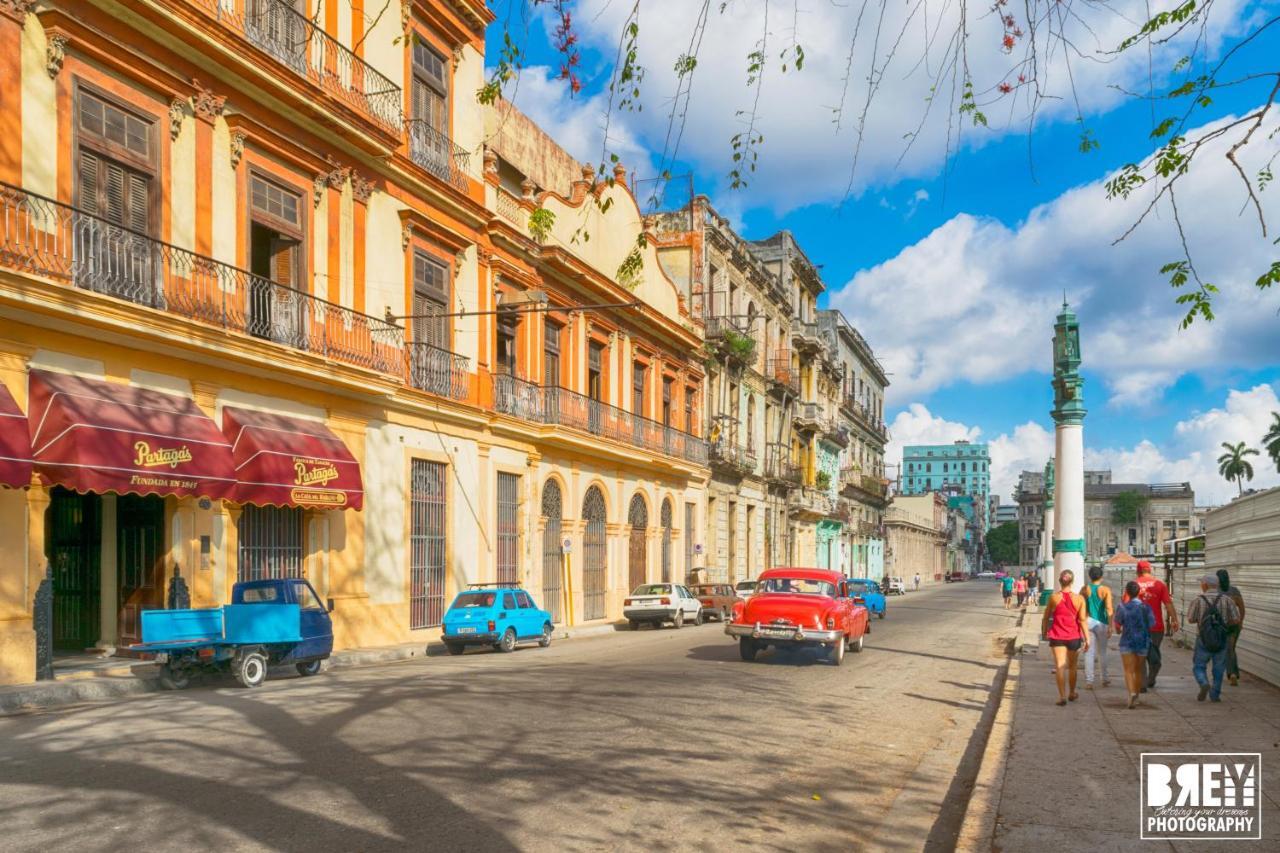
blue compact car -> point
(496, 615)
(869, 594)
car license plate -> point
(776, 632)
(466, 630)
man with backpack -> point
(1213, 611)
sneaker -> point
(1234, 680)
(1215, 698)
(1204, 691)
(1144, 690)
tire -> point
(724, 615)
(678, 621)
(856, 646)
(455, 648)
(635, 626)
(508, 642)
(311, 667)
(174, 678)
(250, 669)
(545, 639)
(837, 653)
(747, 649)
(880, 615)
(697, 619)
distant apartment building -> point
(942, 467)
(1006, 513)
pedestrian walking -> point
(1153, 593)
(1134, 621)
(1233, 631)
(1020, 590)
(1100, 610)
(1213, 611)
(1064, 626)
(916, 581)
(1006, 590)
(1033, 589)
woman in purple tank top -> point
(1064, 626)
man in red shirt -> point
(1155, 595)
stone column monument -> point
(1068, 417)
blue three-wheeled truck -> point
(268, 622)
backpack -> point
(1213, 628)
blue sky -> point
(952, 266)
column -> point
(1068, 415)
(109, 580)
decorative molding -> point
(17, 9)
(361, 188)
(459, 258)
(206, 104)
(237, 148)
(490, 161)
(406, 16)
(177, 115)
(318, 185)
(54, 53)
(406, 236)
(456, 57)
(337, 175)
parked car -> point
(955, 577)
(268, 622)
(717, 600)
(656, 603)
(744, 589)
(497, 615)
(799, 607)
(869, 594)
(897, 586)
(988, 574)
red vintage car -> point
(799, 607)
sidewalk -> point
(115, 678)
(1030, 804)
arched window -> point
(665, 519)
(552, 552)
(594, 551)
(638, 550)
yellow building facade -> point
(269, 246)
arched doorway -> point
(638, 554)
(594, 549)
(665, 519)
(552, 555)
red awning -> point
(15, 443)
(286, 461)
(96, 436)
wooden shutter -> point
(137, 200)
(113, 193)
(87, 188)
(283, 260)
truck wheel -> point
(250, 669)
(678, 621)
(837, 652)
(174, 677)
(455, 648)
(546, 635)
(311, 667)
(747, 649)
(856, 645)
(508, 641)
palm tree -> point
(1271, 441)
(1233, 464)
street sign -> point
(567, 546)
(697, 549)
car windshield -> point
(799, 586)
(856, 588)
(703, 590)
(653, 589)
(259, 594)
(473, 599)
(746, 586)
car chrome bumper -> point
(663, 613)
(470, 638)
(800, 634)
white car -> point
(744, 589)
(986, 574)
(656, 603)
(896, 587)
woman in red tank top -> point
(1065, 627)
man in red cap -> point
(1155, 595)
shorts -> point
(1069, 645)
(1006, 593)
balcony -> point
(810, 503)
(866, 418)
(732, 459)
(805, 337)
(779, 468)
(438, 371)
(293, 40)
(864, 487)
(808, 417)
(562, 407)
(833, 431)
(781, 376)
(39, 235)
(438, 154)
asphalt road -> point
(657, 740)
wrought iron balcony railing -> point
(295, 41)
(807, 416)
(805, 336)
(438, 154)
(46, 237)
(731, 457)
(438, 371)
(518, 397)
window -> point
(523, 601)
(430, 87)
(751, 421)
(688, 410)
(637, 388)
(508, 528)
(508, 601)
(551, 354)
(505, 351)
(594, 357)
(426, 544)
(430, 301)
(666, 401)
(307, 598)
(275, 259)
(270, 542)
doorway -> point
(139, 560)
(75, 563)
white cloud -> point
(1189, 456)
(806, 155)
(975, 300)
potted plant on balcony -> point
(738, 348)
(822, 481)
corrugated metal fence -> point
(1242, 537)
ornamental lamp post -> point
(1068, 418)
